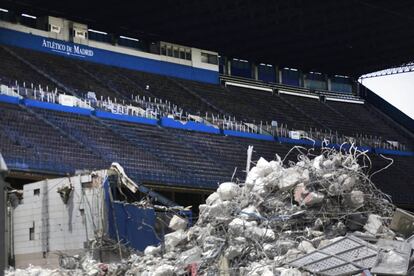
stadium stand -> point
(13, 70)
(158, 155)
(63, 70)
(299, 113)
(110, 146)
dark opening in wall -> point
(32, 232)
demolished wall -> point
(44, 225)
(320, 215)
(281, 213)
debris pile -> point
(321, 214)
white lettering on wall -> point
(76, 50)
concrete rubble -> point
(280, 215)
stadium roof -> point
(349, 37)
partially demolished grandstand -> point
(320, 215)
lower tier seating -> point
(40, 140)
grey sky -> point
(395, 89)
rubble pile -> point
(279, 216)
(280, 213)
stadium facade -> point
(178, 119)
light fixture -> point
(98, 32)
(28, 15)
(129, 38)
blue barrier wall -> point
(248, 135)
(133, 223)
(9, 99)
(339, 84)
(126, 118)
(241, 69)
(316, 81)
(290, 77)
(266, 73)
(57, 107)
(193, 126)
(299, 141)
(83, 52)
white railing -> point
(155, 108)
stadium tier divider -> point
(190, 126)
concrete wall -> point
(57, 226)
(196, 53)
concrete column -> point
(255, 71)
(301, 79)
(356, 88)
(276, 73)
(328, 83)
(279, 75)
(228, 67)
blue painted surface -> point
(346, 147)
(241, 69)
(126, 118)
(128, 219)
(339, 84)
(248, 135)
(57, 107)
(168, 122)
(266, 73)
(67, 49)
(393, 152)
(193, 126)
(201, 127)
(290, 77)
(364, 148)
(299, 141)
(9, 99)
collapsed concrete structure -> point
(57, 215)
(321, 215)
(90, 211)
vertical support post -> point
(276, 73)
(3, 208)
(249, 159)
(228, 67)
(328, 83)
(279, 75)
(356, 88)
(302, 79)
(255, 71)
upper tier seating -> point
(65, 71)
(368, 122)
(12, 70)
(110, 81)
(244, 104)
(115, 80)
(299, 112)
(164, 88)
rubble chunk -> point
(374, 224)
(228, 190)
(177, 223)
